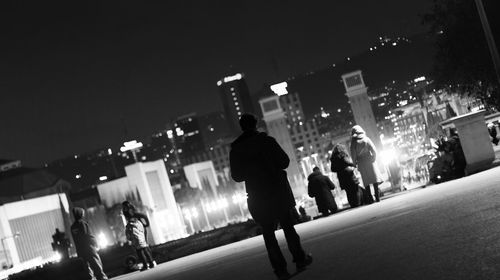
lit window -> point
(237, 108)
(233, 93)
(236, 103)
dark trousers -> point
(145, 256)
(353, 196)
(94, 265)
(368, 199)
(277, 259)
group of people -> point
(259, 161)
(135, 231)
(362, 158)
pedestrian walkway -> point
(430, 233)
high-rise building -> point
(188, 131)
(214, 129)
(235, 98)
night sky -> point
(73, 74)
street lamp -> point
(16, 235)
(489, 37)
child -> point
(135, 234)
(342, 164)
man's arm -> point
(143, 218)
(329, 182)
(278, 155)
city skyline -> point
(72, 84)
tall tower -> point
(277, 127)
(356, 91)
(235, 98)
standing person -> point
(363, 154)
(130, 211)
(258, 159)
(320, 187)
(135, 234)
(61, 244)
(86, 245)
(459, 163)
(341, 163)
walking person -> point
(86, 245)
(341, 163)
(320, 187)
(259, 161)
(364, 154)
(135, 234)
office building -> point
(236, 100)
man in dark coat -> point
(320, 187)
(341, 163)
(258, 159)
(86, 245)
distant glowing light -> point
(419, 79)
(103, 178)
(280, 89)
(102, 241)
(110, 152)
(387, 156)
(78, 176)
(228, 79)
(131, 145)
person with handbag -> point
(259, 161)
(320, 187)
(341, 163)
(364, 154)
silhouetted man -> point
(86, 245)
(61, 244)
(320, 187)
(257, 159)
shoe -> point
(303, 264)
(282, 274)
(144, 267)
(153, 264)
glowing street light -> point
(132, 146)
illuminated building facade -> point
(27, 226)
(149, 181)
(356, 91)
(236, 100)
(277, 127)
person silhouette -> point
(259, 161)
(86, 245)
(320, 187)
(364, 154)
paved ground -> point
(446, 231)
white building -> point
(26, 229)
(148, 181)
(202, 174)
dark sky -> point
(72, 73)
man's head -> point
(248, 122)
(78, 213)
(316, 169)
